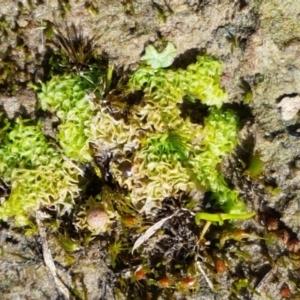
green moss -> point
(23, 145)
(68, 97)
(167, 153)
(62, 93)
(45, 186)
(38, 175)
(169, 147)
(171, 154)
(255, 168)
(219, 139)
(199, 81)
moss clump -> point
(62, 93)
(46, 186)
(169, 147)
(168, 153)
(219, 139)
(152, 150)
(23, 145)
(38, 174)
(200, 80)
(70, 98)
(41, 175)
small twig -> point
(48, 258)
(145, 236)
(264, 281)
(204, 230)
(205, 276)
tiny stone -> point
(22, 23)
(289, 107)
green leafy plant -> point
(46, 186)
(161, 59)
(220, 217)
(173, 154)
(199, 81)
(167, 153)
(62, 93)
(23, 145)
(68, 97)
(219, 139)
(170, 146)
(40, 175)
(155, 152)
(115, 248)
(37, 173)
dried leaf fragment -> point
(150, 231)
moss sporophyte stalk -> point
(167, 154)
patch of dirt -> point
(258, 43)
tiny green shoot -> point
(161, 59)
